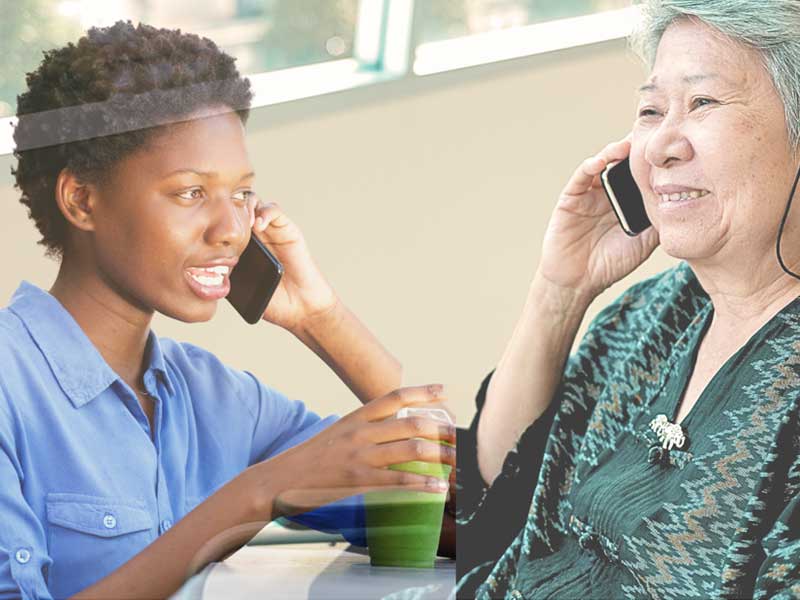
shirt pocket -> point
(91, 536)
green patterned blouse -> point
(614, 514)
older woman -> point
(662, 460)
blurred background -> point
(420, 146)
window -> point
(294, 49)
(263, 35)
(266, 35)
(453, 34)
(446, 19)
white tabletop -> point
(317, 571)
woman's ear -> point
(75, 200)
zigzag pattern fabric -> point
(615, 514)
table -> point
(317, 571)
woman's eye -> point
(700, 102)
(244, 195)
(192, 194)
(648, 112)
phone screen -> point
(254, 280)
(625, 197)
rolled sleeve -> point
(489, 517)
(24, 561)
(280, 424)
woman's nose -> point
(668, 143)
(228, 223)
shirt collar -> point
(76, 363)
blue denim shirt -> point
(84, 484)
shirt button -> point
(655, 455)
(586, 540)
(23, 555)
(511, 465)
(109, 521)
(165, 525)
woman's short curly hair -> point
(92, 103)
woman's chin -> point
(190, 313)
(685, 247)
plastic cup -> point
(403, 527)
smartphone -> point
(254, 280)
(625, 197)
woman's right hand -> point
(585, 250)
(350, 457)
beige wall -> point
(424, 206)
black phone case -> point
(251, 291)
(625, 198)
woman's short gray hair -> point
(770, 26)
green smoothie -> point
(403, 527)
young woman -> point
(127, 460)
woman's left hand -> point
(304, 293)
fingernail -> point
(436, 389)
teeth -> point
(675, 197)
(208, 281)
(209, 276)
(220, 270)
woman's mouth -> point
(209, 283)
(674, 199)
(682, 196)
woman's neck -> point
(115, 326)
(744, 298)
